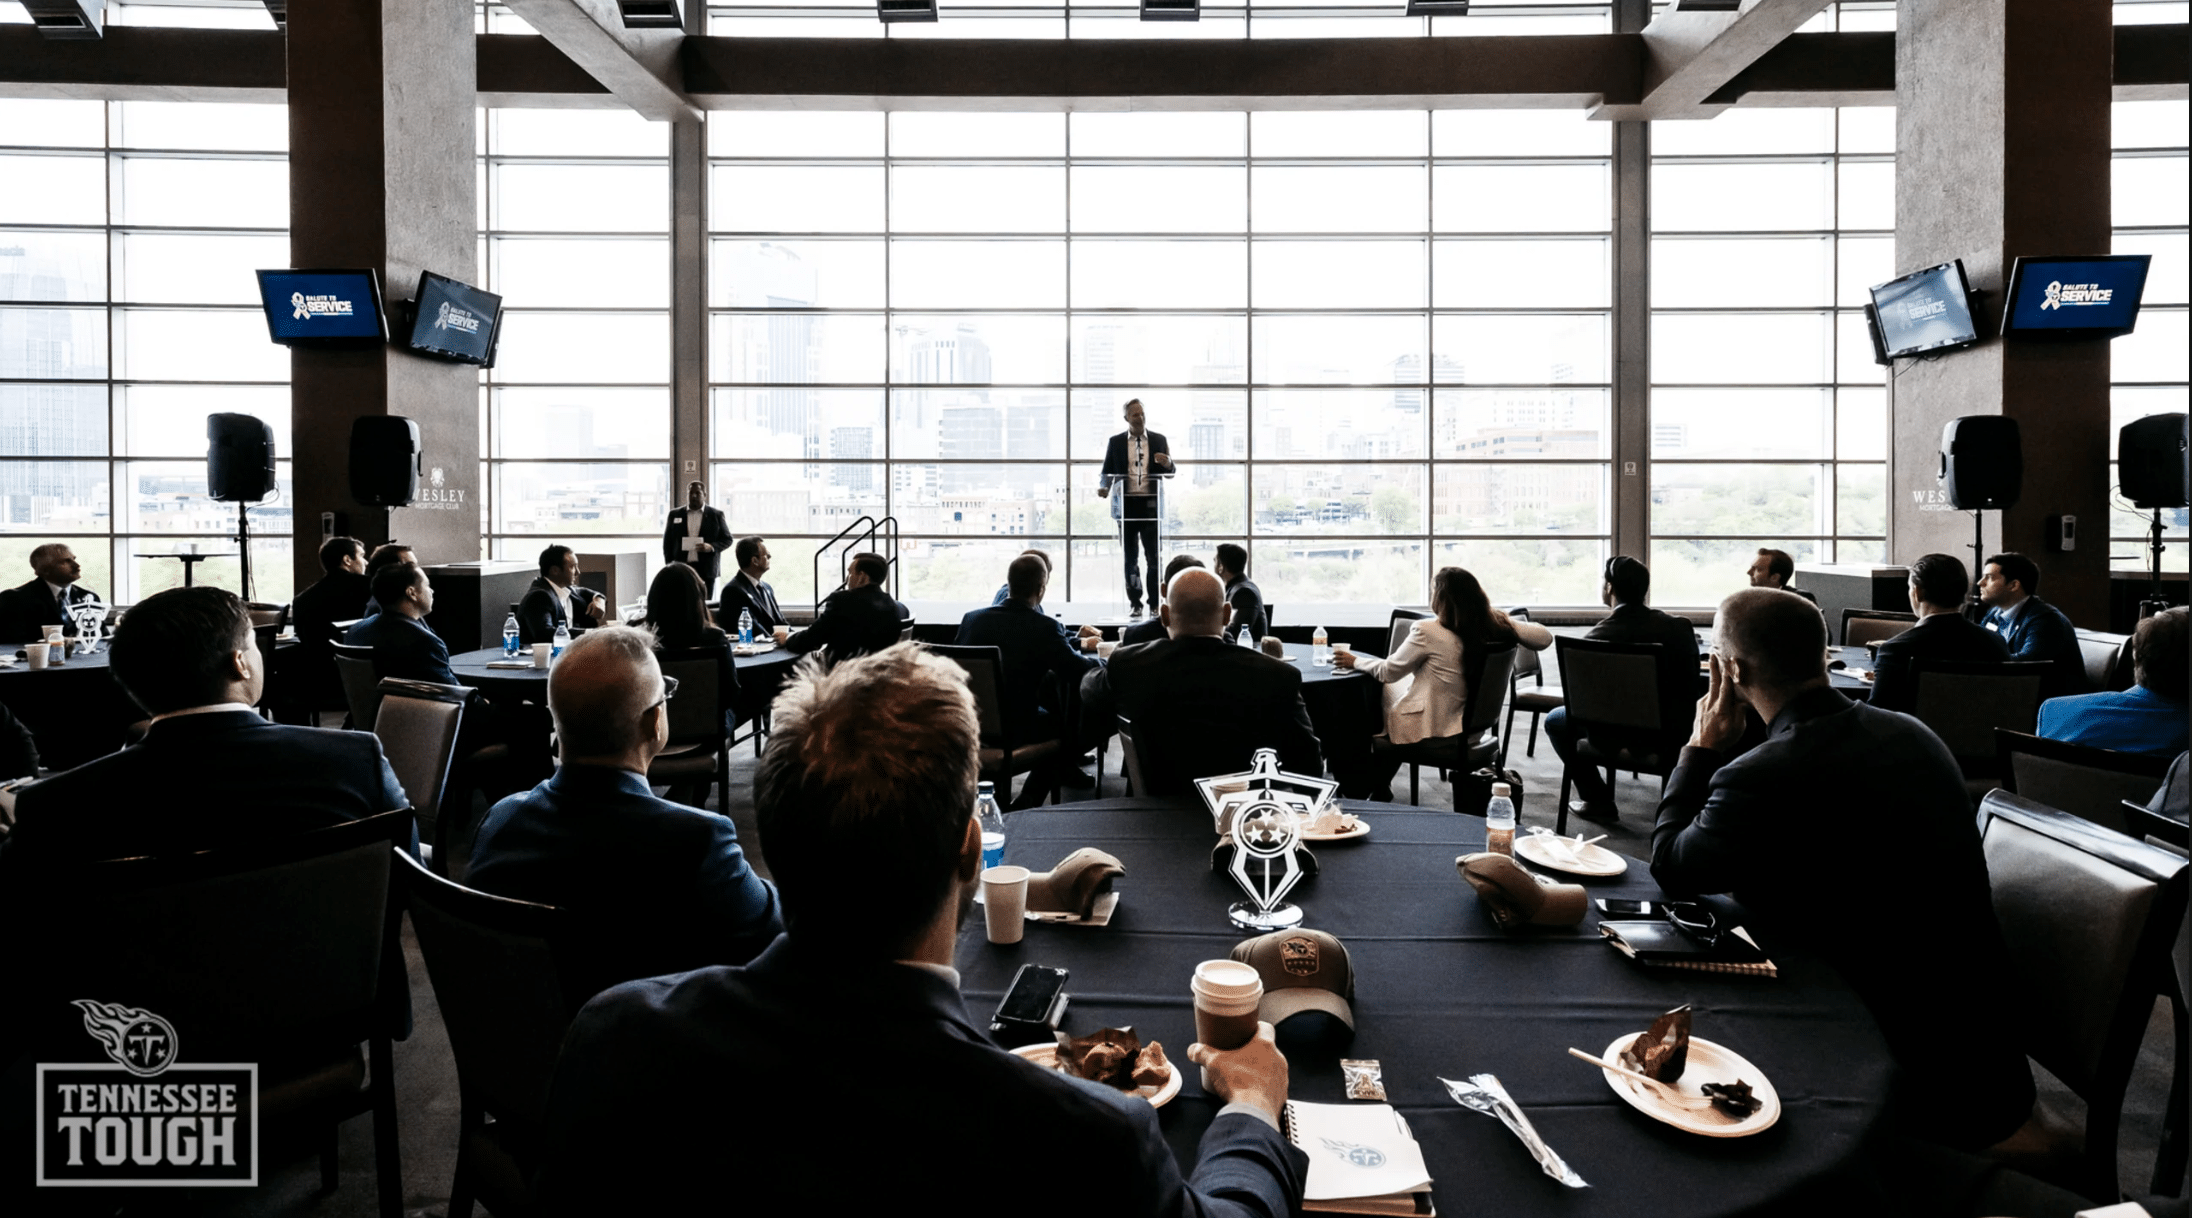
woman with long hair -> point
(677, 614)
(1427, 689)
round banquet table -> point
(1346, 707)
(75, 710)
(1441, 991)
(758, 677)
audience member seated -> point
(1199, 705)
(1242, 594)
(1004, 590)
(2148, 718)
(555, 599)
(1427, 677)
(746, 590)
(858, 619)
(655, 887)
(1152, 628)
(855, 1015)
(2032, 628)
(677, 613)
(405, 647)
(209, 772)
(1751, 825)
(1937, 588)
(1774, 569)
(383, 556)
(1628, 584)
(18, 748)
(1043, 664)
(45, 601)
(339, 595)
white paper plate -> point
(1046, 1056)
(1708, 1063)
(758, 648)
(1590, 860)
(1361, 829)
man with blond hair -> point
(846, 1044)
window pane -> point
(53, 420)
(1861, 262)
(2149, 124)
(1338, 274)
(1528, 573)
(1159, 198)
(1521, 198)
(795, 423)
(1151, 349)
(1545, 274)
(54, 190)
(53, 343)
(794, 133)
(1518, 133)
(54, 497)
(1333, 199)
(37, 265)
(797, 274)
(170, 420)
(985, 500)
(1861, 424)
(1861, 500)
(968, 568)
(551, 272)
(196, 345)
(53, 123)
(978, 425)
(944, 133)
(978, 198)
(618, 132)
(1727, 348)
(1741, 424)
(1205, 501)
(581, 198)
(1737, 500)
(1740, 198)
(1529, 497)
(1200, 425)
(192, 268)
(978, 274)
(1359, 500)
(565, 500)
(1160, 274)
(1544, 350)
(609, 424)
(1343, 350)
(201, 125)
(2153, 352)
(1299, 575)
(1774, 273)
(1698, 574)
(797, 349)
(797, 198)
(1522, 424)
(769, 497)
(2149, 190)
(213, 193)
(1338, 133)
(1339, 425)
(584, 348)
(1154, 134)
(167, 499)
(963, 350)
(1747, 129)
(1867, 128)
(1853, 352)
(1867, 195)
(2165, 277)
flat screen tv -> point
(330, 306)
(1924, 311)
(455, 321)
(2096, 297)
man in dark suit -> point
(1937, 587)
(2029, 626)
(1774, 569)
(209, 772)
(1199, 705)
(651, 886)
(697, 535)
(1244, 600)
(863, 796)
(856, 620)
(26, 611)
(1749, 825)
(2149, 717)
(403, 644)
(746, 590)
(339, 596)
(1134, 463)
(1043, 664)
(386, 555)
(1150, 629)
(1627, 586)
(555, 599)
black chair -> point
(2107, 659)
(361, 684)
(1130, 758)
(417, 726)
(1863, 627)
(1612, 692)
(699, 751)
(1534, 699)
(2148, 825)
(1002, 755)
(493, 964)
(282, 952)
(1478, 745)
(1965, 702)
(2077, 778)
(1397, 627)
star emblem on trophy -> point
(1226, 794)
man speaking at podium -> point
(1136, 459)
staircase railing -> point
(879, 536)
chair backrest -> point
(985, 668)
(493, 964)
(1963, 703)
(361, 685)
(2146, 824)
(1863, 626)
(1131, 758)
(2089, 917)
(1610, 684)
(1397, 627)
(417, 725)
(905, 633)
(1527, 662)
(696, 713)
(2077, 778)
(2107, 659)
(276, 616)
(1488, 687)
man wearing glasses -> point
(651, 886)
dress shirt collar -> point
(595, 778)
(944, 971)
(2009, 614)
(211, 708)
(892, 990)
(54, 591)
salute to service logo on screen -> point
(142, 1118)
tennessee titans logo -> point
(138, 1040)
(1360, 1156)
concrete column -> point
(689, 306)
(1632, 368)
(382, 144)
(2002, 150)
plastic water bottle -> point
(1246, 639)
(745, 627)
(561, 641)
(510, 637)
(1320, 648)
(992, 820)
(1499, 820)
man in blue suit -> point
(209, 772)
(2149, 717)
(404, 646)
(2031, 628)
(652, 886)
(555, 599)
(855, 1016)
(1042, 662)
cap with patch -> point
(1302, 970)
(1074, 884)
(1518, 897)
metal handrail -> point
(886, 528)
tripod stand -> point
(2155, 602)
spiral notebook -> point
(1660, 945)
(1362, 1159)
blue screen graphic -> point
(307, 305)
(455, 320)
(2076, 293)
(1925, 311)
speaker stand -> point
(1972, 608)
(243, 546)
(2155, 602)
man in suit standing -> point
(555, 599)
(864, 795)
(26, 611)
(746, 590)
(651, 886)
(1774, 569)
(856, 620)
(1628, 584)
(2029, 626)
(1043, 665)
(1937, 587)
(1134, 463)
(697, 535)
(1748, 824)
(209, 772)
(1199, 705)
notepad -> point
(1362, 1159)
(1660, 945)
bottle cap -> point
(1501, 790)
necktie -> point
(768, 595)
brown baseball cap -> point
(1302, 970)
(1517, 897)
(1075, 883)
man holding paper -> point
(697, 535)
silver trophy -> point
(1264, 864)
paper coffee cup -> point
(36, 654)
(541, 653)
(1227, 994)
(53, 633)
(781, 633)
(1105, 649)
(1004, 902)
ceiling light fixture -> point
(651, 14)
(68, 19)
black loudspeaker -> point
(1982, 462)
(239, 458)
(2150, 454)
(384, 461)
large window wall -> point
(2148, 367)
(1375, 341)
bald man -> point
(652, 886)
(1198, 705)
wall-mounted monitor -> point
(304, 308)
(1924, 312)
(455, 321)
(2095, 297)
